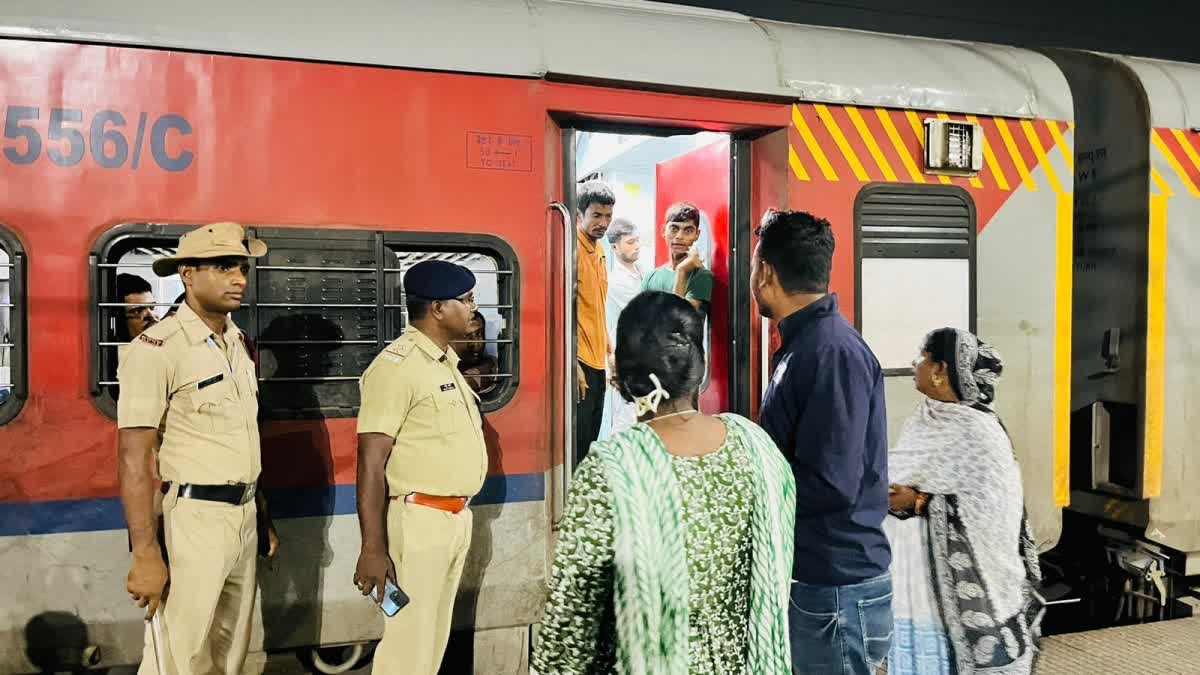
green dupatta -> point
(651, 582)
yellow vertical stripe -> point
(797, 167)
(1183, 175)
(1156, 319)
(1061, 142)
(1018, 160)
(872, 147)
(920, 131)
(905, 158)
(1040, 153)
(1163, 189)
(1063, 279)
(975, 182)
(990, 157)
(840, 139)
(1187, 147)
(813, 147)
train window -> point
(915, 252)
(489, 358)
(318, 308)
(12, 326)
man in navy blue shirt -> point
(824, 408)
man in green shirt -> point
(685, 274)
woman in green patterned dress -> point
(675, 552)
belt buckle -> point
(247, 493)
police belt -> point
(230, 493)
(449, 504)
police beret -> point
(438, 280)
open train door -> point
(701, 177)
(560, 301)
(732, 181)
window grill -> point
(12, 326)
(318, 308)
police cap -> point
(438, 280)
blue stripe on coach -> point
(90, 515)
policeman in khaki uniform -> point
(421, 457)
(191, 377)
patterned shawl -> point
(651, 588)
(983, 559)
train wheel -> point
(336, 660)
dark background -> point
(1156, 29)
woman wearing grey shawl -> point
(965, 570)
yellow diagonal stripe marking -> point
(975, 182)
(920, 130)
(872, 147)
(1183, 175)
(1163, 189)
(840, 139)
(1040, 152)
(1188, 150)
(905, 158)
(810, 141)
(1018, 161)
(990, 157)
(797, 167)
(1061, 143)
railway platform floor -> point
(1159, 648)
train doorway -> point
(648, 173)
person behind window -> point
(675, 549)
(593, 213)
(134, 290)
(474, 362)
(624, 282)
(175, 305)
(684, 273)
(969, 561)
(825, 409)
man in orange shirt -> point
(593, 213)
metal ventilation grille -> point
(914, 223)
(320, 306)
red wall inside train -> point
(702, 178)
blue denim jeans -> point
(840, 630)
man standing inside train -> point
(421, 457)
(624, 283)
(593, 214)
(824, 408)
(191, 376)
(684, 273)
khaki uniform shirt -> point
(203, 398)
(414, 393)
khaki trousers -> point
(206, 617)
(429, 548)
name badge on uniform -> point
(212, 380)
(448, 387)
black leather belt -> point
(230, 493)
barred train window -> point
(318, 308)
(915, 249)
(12, 326)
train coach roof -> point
(1172, 90)
(626, 41)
